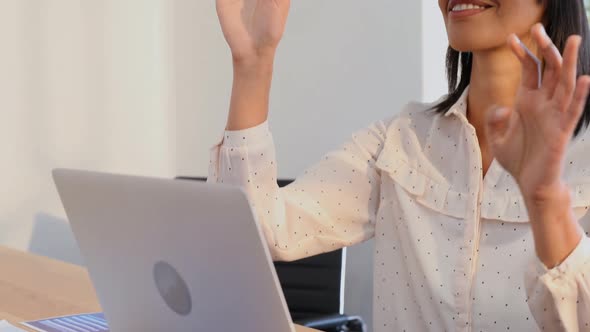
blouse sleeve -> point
(559, 298)
(332, 205)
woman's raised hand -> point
(530, 139)
(252, 28)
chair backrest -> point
(312, 286)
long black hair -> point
(562, 19)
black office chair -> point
(314, 288)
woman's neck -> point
(495, 78)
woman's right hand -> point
(252, 28)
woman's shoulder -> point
(419, 109)
(413, 122)
(415, 115)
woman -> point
(478, 203)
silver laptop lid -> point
(169, 255)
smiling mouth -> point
(468, 7)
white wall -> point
(434, 49)
(341, 65)
(82, 84)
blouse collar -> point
(460, 107)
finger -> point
(497, 124)
(579, 102)
(285, 8)
(567, 82)
(553, 59)
(530, 68)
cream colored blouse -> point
(454, 251)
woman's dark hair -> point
(562, 19)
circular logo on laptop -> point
(172, 288)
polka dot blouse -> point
(454, 250)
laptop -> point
(173, 255)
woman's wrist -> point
(253, 66)
(555, 228)
(250, 93)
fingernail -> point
(499, 113)
(544, 31)
(517, 38)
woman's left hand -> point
(530, 139)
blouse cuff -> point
(247, 137)
(572, 264)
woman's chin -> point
(462, 47)
(471, 45)
(477, 41)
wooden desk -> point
(34, 287)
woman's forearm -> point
(555, 228)
(250, 93)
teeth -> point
(464, 6)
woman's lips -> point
(466, 13)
